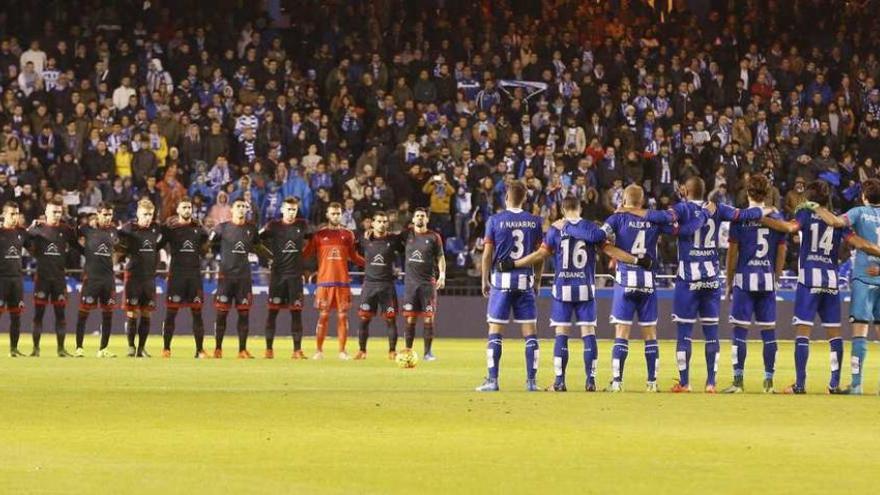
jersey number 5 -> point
(763, 245)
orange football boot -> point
(244, 354)
(218, 353)
(269, 354)
(678, 388)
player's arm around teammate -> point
(510, 234)
(634, 292)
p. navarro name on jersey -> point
(518, 224)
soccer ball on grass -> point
(407, 359)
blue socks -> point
(591, 355)
(713, 349)
(560, 357)
(859, 351)
(836, 345)
(739, 350)
(770, 347)
(652, 359)
(493, 354)
(531, 357)
(801, 355)
(618, 358)
(683, 351)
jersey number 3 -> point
(519, 248)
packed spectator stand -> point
(393, 105)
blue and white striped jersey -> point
(639, 237)
(818, 259)
(574, 255)
(698, 248)
(512, 234)
(756, 263)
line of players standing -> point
(283, 244)
(515, 253)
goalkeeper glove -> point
(807, 205)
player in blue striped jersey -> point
(634, 293)
(818, 290)
(697, 286)
(754, 261)
(864, 308)
(573, 243)
(511, 234)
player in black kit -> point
(378, 295)
(12, 238)
(424, 259)
(286, 239)
(48, 242)
(139, 244)
(236, 239)
(99, 282)
(185, 240)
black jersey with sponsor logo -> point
(98, 250)
(11, 244)
(380, 254)
(236, 243)
(286, 241)
(49, 245)
(422, 252)
(184, 243)
(141, 248)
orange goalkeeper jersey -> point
(334, 249)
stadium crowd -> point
(382, 107)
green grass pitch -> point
(230, 426)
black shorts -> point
(376, 298)
(98, 293)
(50, 291)
(140, 294)
(419, 300)
(286, 292)
(11, 295)
(233, 292)
(184, 291)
